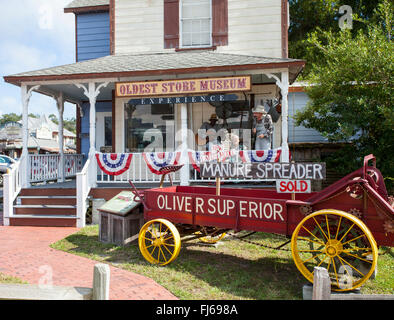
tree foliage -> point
(308, 16)
(352, 92)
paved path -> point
(25, 253)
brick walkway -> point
(25, 251)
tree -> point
(352, 92)
(10, 117)
(308, 16)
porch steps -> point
(45, 207)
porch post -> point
(283, 84)
(285, 115)
(60, 108)
(185, 171)
(26, 93)
(91, 92)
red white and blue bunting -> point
(157, 160)
(114, 164)
(251, 156)
(197, 158)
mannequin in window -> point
(262, 128)
(207, 134)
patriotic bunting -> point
(157, 160)
(251, 156)
(114, 164)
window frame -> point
(181, 46)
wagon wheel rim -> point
(213, 238)
(339, 242)
(159, 242)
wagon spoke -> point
(351, 266)
(320, 228)
(309, 259)
(339, 224)
(347, 232)
(307, 239)
(357, 257)
(163, 255)
(165, 246)
(328, 228)
(335, 270)
(310, 250)
(313, 236)
(354, 239)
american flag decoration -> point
(114, 164)
(198, 157)
(157, 160)
(251, 156)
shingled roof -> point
(126, 65)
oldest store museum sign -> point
(183, 86)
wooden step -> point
(48, 192)
(47, 200)
(48, 210)
(43, 221)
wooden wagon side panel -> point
(227, 212)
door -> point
(104, 132)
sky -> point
(35, 34)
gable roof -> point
(142, 64)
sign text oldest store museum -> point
(184, 86)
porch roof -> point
(151, 64)
(85, 4)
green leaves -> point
(352, 91)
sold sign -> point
(293, 186)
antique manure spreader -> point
(339, 228)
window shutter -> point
(220, 22)
(171, 24)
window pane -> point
(149, 126)
(196, 22)
(187, 39)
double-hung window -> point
(195, 23)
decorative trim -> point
(112, 26)
(212, 48)
(102, 75)
(285, 28)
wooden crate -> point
(118, 229)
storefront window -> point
(231, 117)
(149, 128)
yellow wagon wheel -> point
(339, 242)
(159, 242)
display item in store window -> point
(262, 128)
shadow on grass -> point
(268, 277)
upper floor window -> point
(195, 23)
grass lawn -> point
(4, 279)
(233, 270)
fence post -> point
(101, 277)
(321, 284)
(8, 199)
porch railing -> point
(11, 188)
(138, 172)
(45, 167)
(85, 182)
